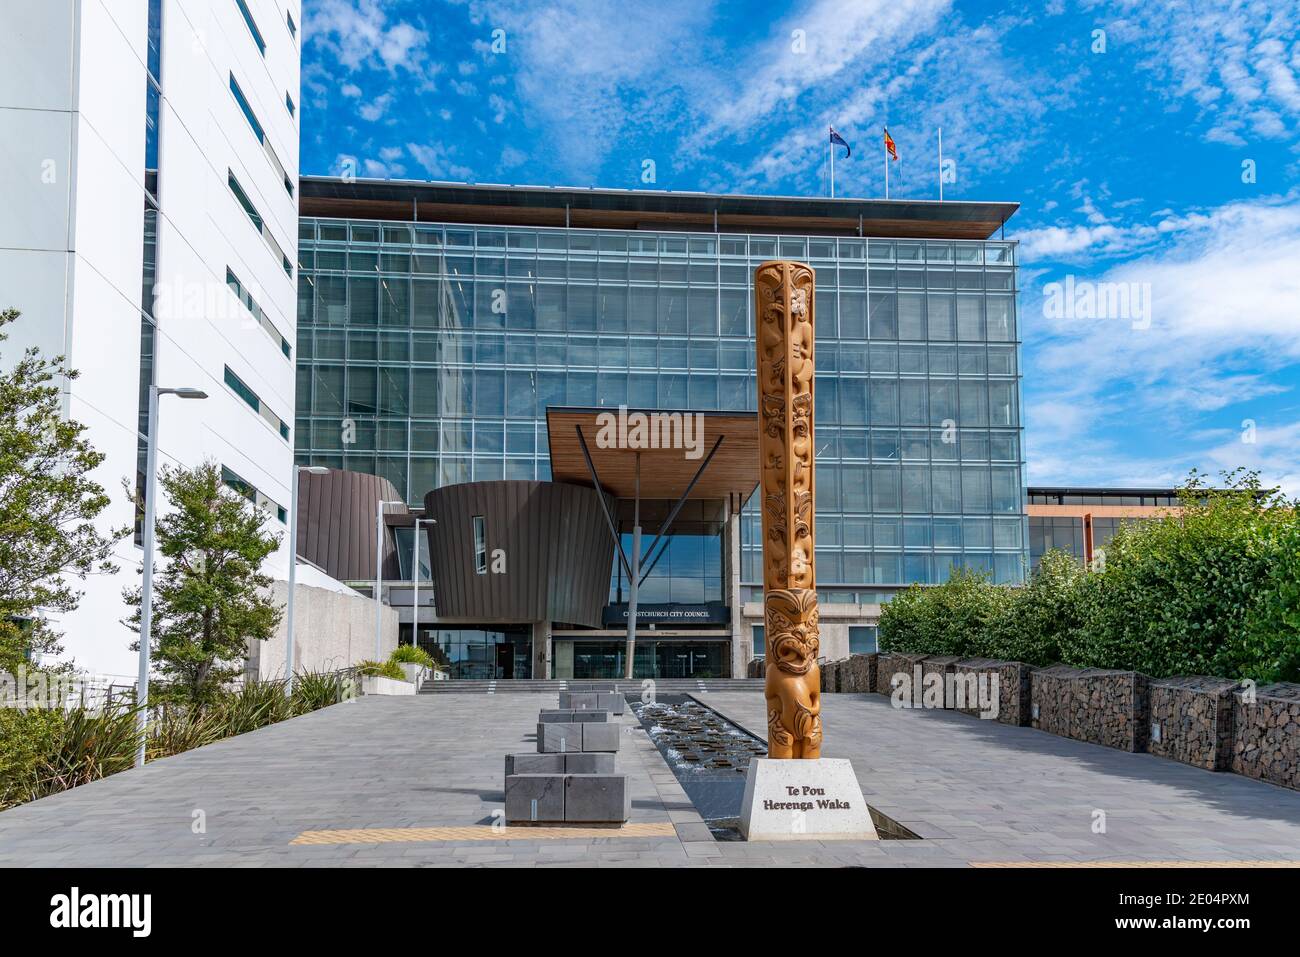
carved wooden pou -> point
(783, 293)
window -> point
(260, 133)
(256, 218)
(480, 545)
(248, 395)
(760, 641)
(251, 305)
(862, 639)
(293, 27)
(247, 110)
(244, 201)
(248, 491)
(252, 26)
(289, 104)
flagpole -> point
(886, 169)
(941, 164)
(832, 146)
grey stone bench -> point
(577, 736)
(599, 686)
(565, 762)
(569, 716)
(567, 799)
(610, 701)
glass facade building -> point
(429, 352)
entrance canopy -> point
(672, 447)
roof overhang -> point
(614, 443)
(557, 206)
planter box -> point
(371, 684)
(1013, 706)
(415, 673)
(941, 665)
(1050, 699)
(1266, 734)
(1191, 720)
(1111, 708)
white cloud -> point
(1238, 62)
(1224, 335)
(360, 34)
(438, 163)
(512, 157)
(351, 91)
(376, 108)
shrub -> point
(377, 669)
(949, 619)
(89, 745)
(1201, 593)
(27, 738)
(1036, 619)
(412, 654)
(313, 690)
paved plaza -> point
(421, 779)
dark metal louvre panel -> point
(556, 570)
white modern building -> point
(148, 172)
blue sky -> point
(1152, 145)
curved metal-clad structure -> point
(551, 538)
(336, 523)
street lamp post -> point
(379, 570)
(146, 590)
(415, 578)
(298, 470)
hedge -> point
(1214, 590)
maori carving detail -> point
(784, 299)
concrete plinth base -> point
(789, 800)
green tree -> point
(210, 598)
(48, 505)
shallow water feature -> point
(709, 756)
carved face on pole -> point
(784, 298)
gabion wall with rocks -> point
(1013, 687)
(891, 663)
(830, 673)
(941, 665)
(1110, 707)
(1266, 736)
(1203, 721)
(1050, 699)
(858, 673)
(1191, 720)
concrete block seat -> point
(569, 716)
(577, 736)
(567, 799)
(566, 762)
(611, 701)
